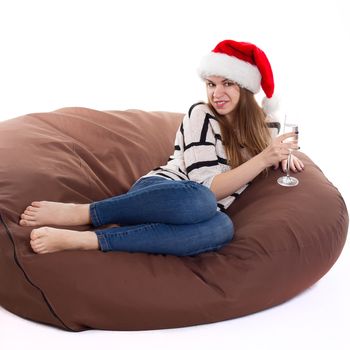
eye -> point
(229, 83)
(210, 84)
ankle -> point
(89, 240)
(83, 211)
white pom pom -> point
(271, 105)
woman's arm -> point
(226, 183)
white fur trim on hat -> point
(271, 105)
(230, 67)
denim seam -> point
(94, 216)
(133, 194)
(192, 185)
(104, 245)
(123, 234)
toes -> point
(32, 209)
(38, 241)
(35, 234)
(27, 217)
(33, 237)
(29, 212)
(28, 222)
(35, 245)
(39, 249)
(36, 204)
(23, 223)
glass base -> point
(287, 181)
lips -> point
(220, 104)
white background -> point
(143, 54)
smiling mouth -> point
(220, 103)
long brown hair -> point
(245, 128)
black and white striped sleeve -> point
(200, 156)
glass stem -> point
(288, 163)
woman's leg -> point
(177, 240)
(151, 199)
(180, 240)
(156, 200)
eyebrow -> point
(222, 81)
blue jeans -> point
(162, 216)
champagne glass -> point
(287, 180)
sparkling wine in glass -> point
(287, 180)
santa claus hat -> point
(245, 64)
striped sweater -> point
(199, 154)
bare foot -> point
(55, 213)
(49, 240)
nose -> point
(218, 91)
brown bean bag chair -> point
(286, 238)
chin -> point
(223, 112)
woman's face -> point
(223, 94)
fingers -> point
(299, 165)
(286, 148)
(284, 165)
(292, 165)
(285, 136)
(278, 151)
(292, 143)
(296, 165)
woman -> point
(179, 208)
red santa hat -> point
(245, 64)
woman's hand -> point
(278, 150)
(295, 164)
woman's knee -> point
(225, 228)
(214, 234)
(202, 199)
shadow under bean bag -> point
(286, 239)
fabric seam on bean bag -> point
(27, 277)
